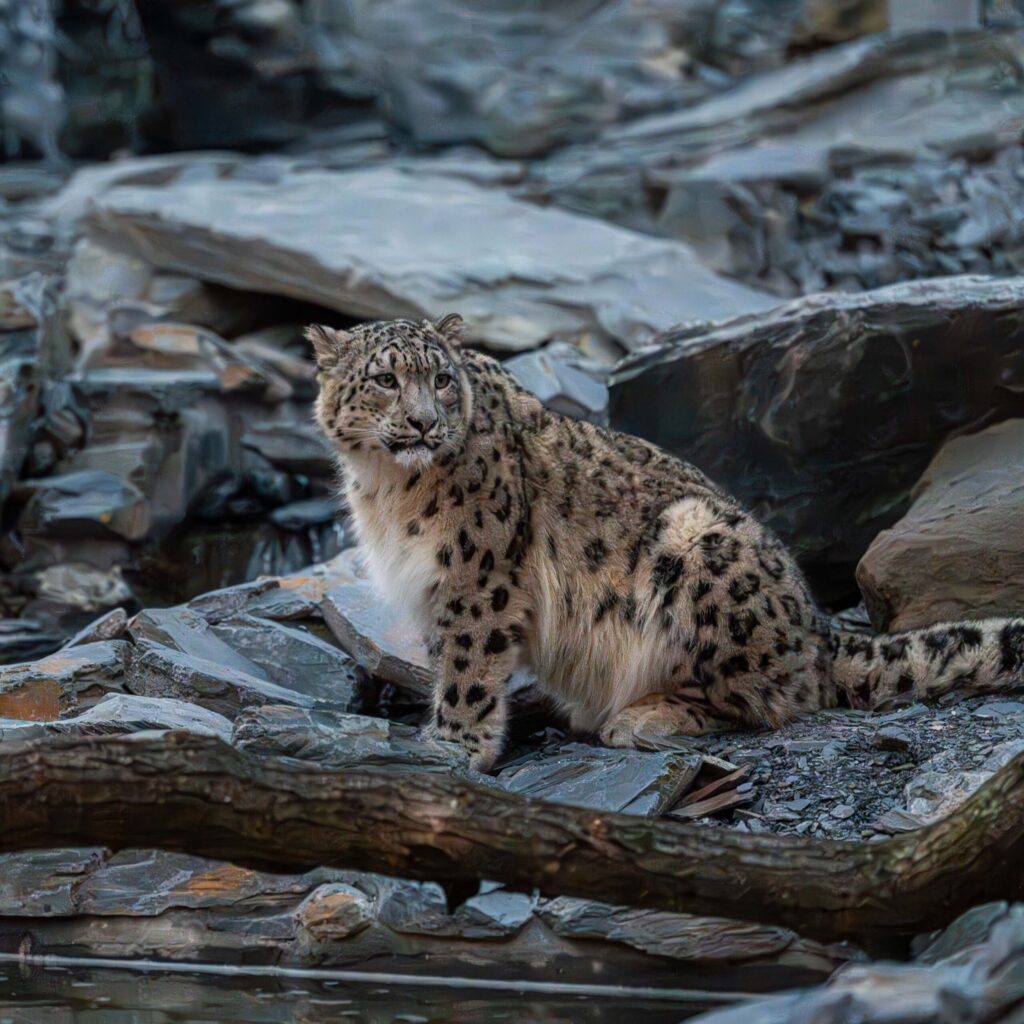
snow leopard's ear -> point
(327, 344)
(451, 327)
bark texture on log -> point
(190, 793)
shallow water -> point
(38, 994)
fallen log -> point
(195, 794)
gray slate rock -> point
(787, 409)
(295, 658)
(685, 937)
(979, 979)
(124, 713)
(628, 781)
(560, 386)
(64, 682)
(338, 739)
(377, 637)
(378, 243)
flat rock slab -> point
(158, 671)
(381, 243)
(683, 936)
(337, 739)
(958, 553)
(122, 713)
(630, 781)
(63, 682)
(296, 659)
(139, 903)
(378, 638)
(820, 416)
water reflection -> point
(31, 994)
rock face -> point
(958, 553)
(820, 416)
(382, 243)
(856, 166)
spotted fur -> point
(641, 594)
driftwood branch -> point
(189, 793)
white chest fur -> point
(400, 567)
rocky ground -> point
(777, 239)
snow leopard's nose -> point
(421, 425)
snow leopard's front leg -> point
(474, 651)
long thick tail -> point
(924, 664)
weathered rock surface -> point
(237, 663)
(123, 713)
(974, 967)
(891, 158)
(143, 903)
(629, 781)
(63, 682)
(370, 245)
(820, 416)
(339, 739)
(958, 553)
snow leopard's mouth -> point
(420, 447)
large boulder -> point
(958, 553)
(381, 243)
(821, 415)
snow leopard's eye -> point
(442, 380)
(385, 380)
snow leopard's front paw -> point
(473, 717)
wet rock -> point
(24, 304)
(979, 975)
(334, 911)
(43, 883)
(781, 456)
(82, 587)
(958, 553)
(379, 639)
(295, 448)
(337, 739)
(178, 654)
(892, 737)
(63, 682)
(570, 275)
(284, 598)
(560, 385)
(148, 883)
(300, 515)
(629, 781)
(685, 937)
